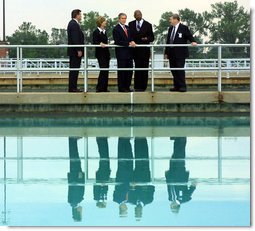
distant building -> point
(4, 52)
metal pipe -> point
(85, 70)
(152, 69)
(4, 39)
(219, 66)
(21, 58)
(17, 69)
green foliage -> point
(27, 34)
(58, 37)
(225, 23)
(230, 24)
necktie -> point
(138, 27)
(125, 30)
(172, 36)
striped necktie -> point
(172, 36)
(125, 30)
(138, 27)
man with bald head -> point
(142, 33)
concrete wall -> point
(145, 102)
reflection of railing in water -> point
(152, 158)
(157, 181)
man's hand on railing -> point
(102, 45)
(132, 44)
(193, 44)
(79, 54)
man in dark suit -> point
(142, 33)
(75, 37)
(123, 38)
(178, 34)
(177, 176)
(123, 175)
(141, 192)
(76, 180)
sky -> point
(46, 14)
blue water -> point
(125, 171)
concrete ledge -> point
(159, 80)
(236, 97)
(50, 98)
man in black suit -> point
(142, 33)
(177, 176)
(123, 38)
(76, 180)
(123, 175)
(75, 37)
(178, 34)
(142, 191)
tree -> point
(58, 36)
(162, 28)
(230, 24)
(27, 34)
(198, 24)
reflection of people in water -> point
(177, 177)
(76, 180)
(141, 193)
(103, 173)
(123, 175)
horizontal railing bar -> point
(123, 159)
(138, 45)
(111, 181)
(126, 69)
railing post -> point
(220, 159)
(19, 159)
(152, 69)
(21, 73)
(85, 70)
(152, 159)
(17, 69)
(219, 67)
(86, 157)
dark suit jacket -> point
(121, 39)
(75, 37)
(178, 182)
(97, 39)
(145, 31)
(182, 36)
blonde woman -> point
(102, 53)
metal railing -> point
(85, 69)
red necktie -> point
(125, 30)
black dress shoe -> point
(139, 90)
(182, 90)
(174, 89)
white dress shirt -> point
(101, 30)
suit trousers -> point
(124, 77)
(178, 75)
(74, 62)
(141, 77)
(102, 83)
